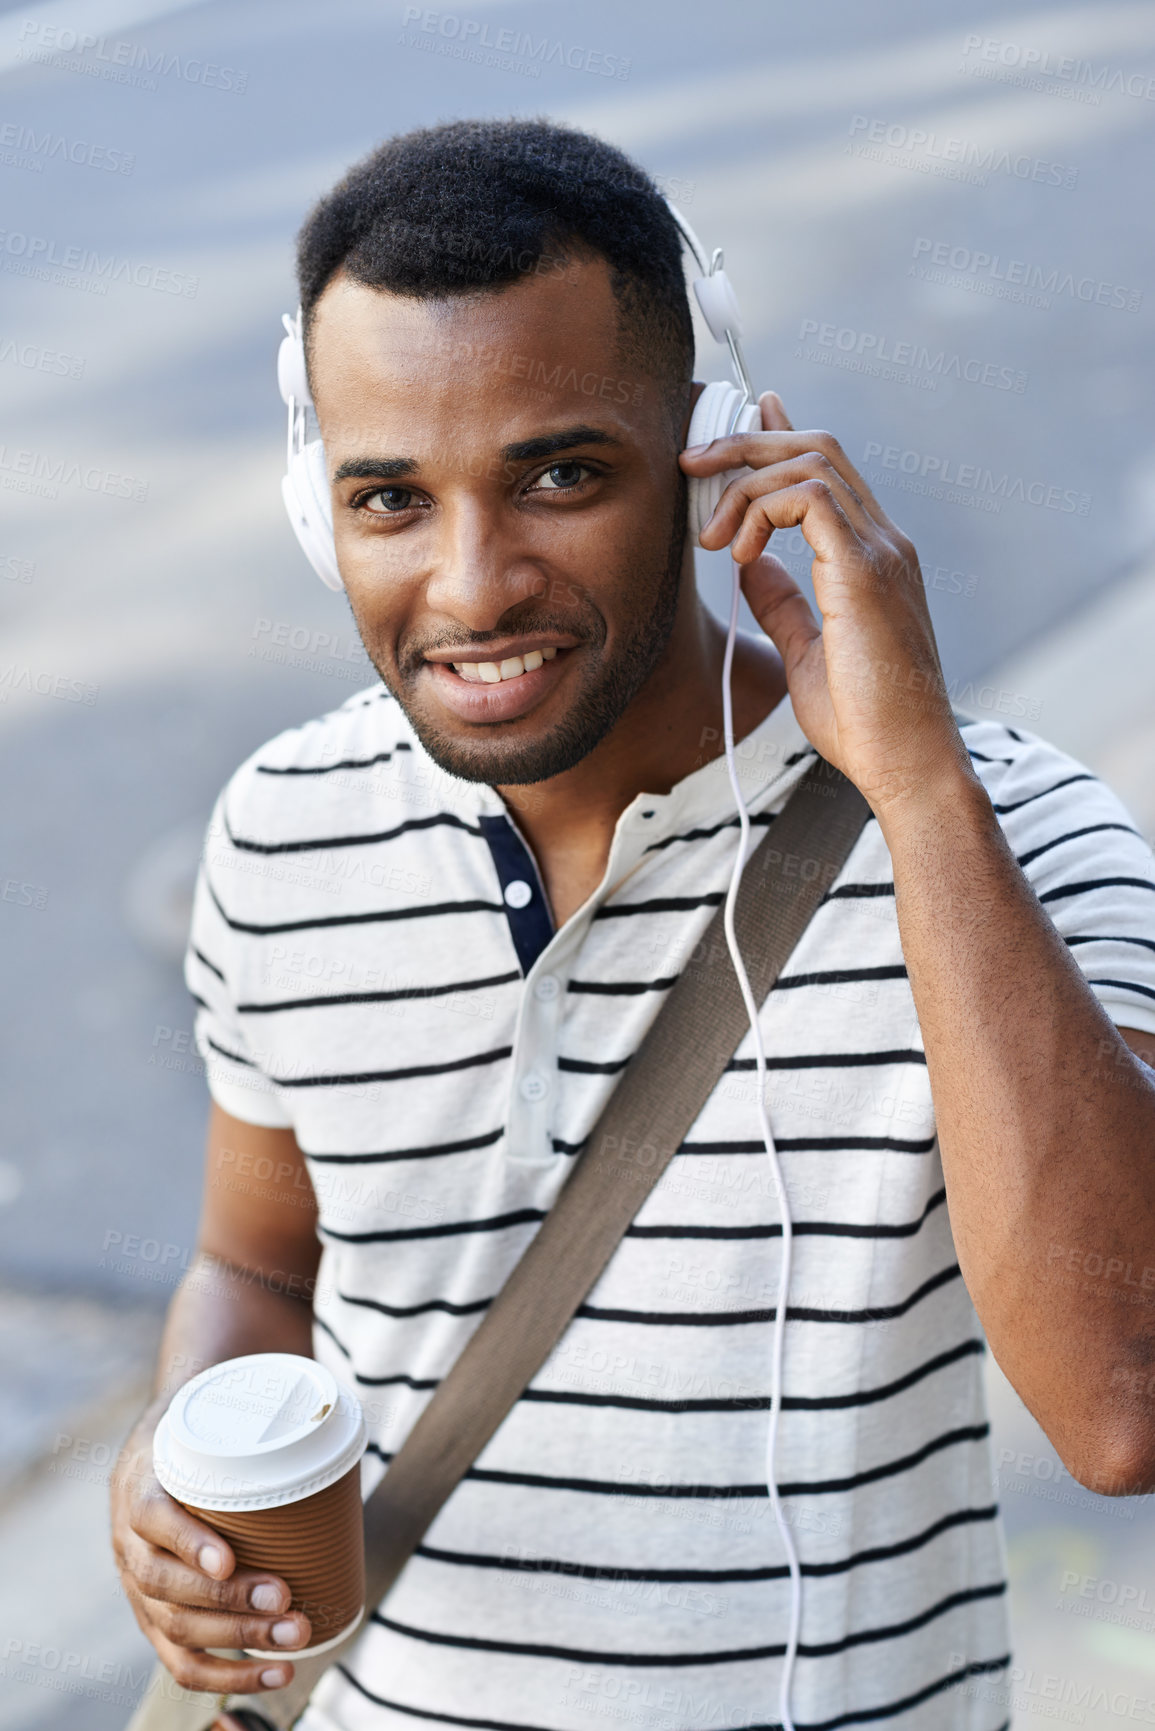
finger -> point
(162, 1521)
(829, 447)
(185, 1626)
(159, 1575)
(810, 505)
(212, 1675)
(738, 496)
(774, 416)
(756, 450)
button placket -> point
(700, 804)
(531, 1114)
(534, 1079)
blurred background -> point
(938, 220)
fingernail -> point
(694, 450)
(273, 1678)
(210, 1559)
(265, 1597)
(284, 1634)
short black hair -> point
(478, 204)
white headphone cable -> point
(775, 1169)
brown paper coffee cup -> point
(316, 1546)
(266, 1451)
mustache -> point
(587, 629)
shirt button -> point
(546, 988)
(533, 1087)
(518, 894)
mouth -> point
(497, 672)
(498, 687)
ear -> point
(696, 390)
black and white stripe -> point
(364, 977)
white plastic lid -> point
(257, 1432)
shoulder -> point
(1064, 823)
(355, 769)
(369, 725)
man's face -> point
(508, 512)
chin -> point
(527, 757)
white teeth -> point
(494, 672)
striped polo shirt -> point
(376, 968)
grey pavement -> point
(71, 1655)
(937, 222)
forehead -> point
(545, 345)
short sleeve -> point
(1091, 869)
(233, 1070)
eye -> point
(562, 477)
(393, 499)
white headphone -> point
(722, 408)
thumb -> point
(774, 416)
(780, 607)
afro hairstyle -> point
(474, 205)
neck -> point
(672, 727)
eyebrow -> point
(376, 468)
(548, 444)
(521, 451)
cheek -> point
(383, 573)
(382, 603)
(631, 531)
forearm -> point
(1046, 1125)
(220, 1311)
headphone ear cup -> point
(713, 413)
(305, 490)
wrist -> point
(941, 800)
(139, 1438)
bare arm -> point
(1046, 1121)
(249, 1289)
(1046, 1116)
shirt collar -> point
(767, 759)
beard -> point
(610, 685)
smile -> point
(496, 672)
(504, 687)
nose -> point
(480, 567)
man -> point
(433, 925)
